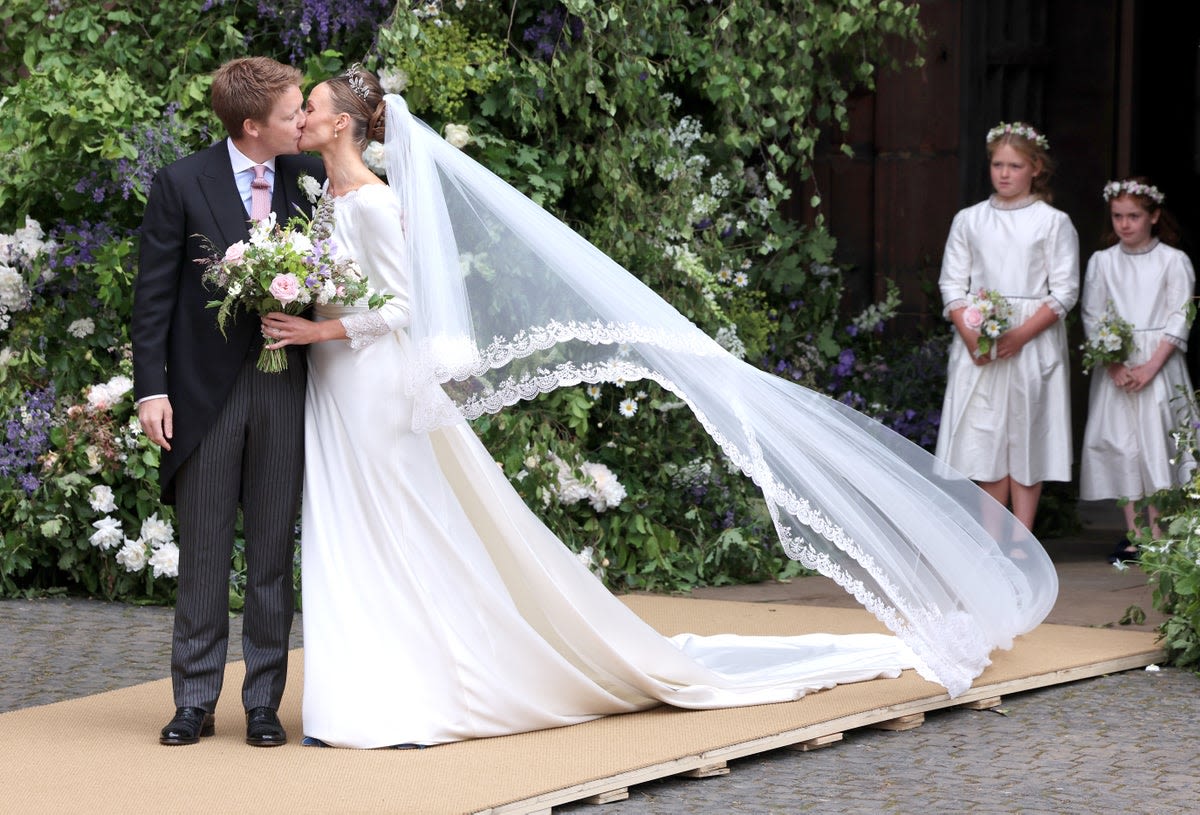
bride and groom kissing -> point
(437, 606)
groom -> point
(229, 433)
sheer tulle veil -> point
(509, 302)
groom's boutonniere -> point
(309, 186)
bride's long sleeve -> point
(379, 235)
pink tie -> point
(260, 194)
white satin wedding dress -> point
(438, 608)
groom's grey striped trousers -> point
(254, 451)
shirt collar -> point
(241, 162)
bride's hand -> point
(286, 329)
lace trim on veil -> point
(488, 263)
(917, 626)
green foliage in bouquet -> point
(1111, 343)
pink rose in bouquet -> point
(235, 252)
(285, 268)
(285, 288)
(989, 313)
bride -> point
(438, 608)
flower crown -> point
(1018, 129)
(1115, 189)
(354, 77)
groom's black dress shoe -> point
(189, 724)
(263, 728)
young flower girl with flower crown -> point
(1140, 391)
(1010, 273)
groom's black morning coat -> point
(178, 349)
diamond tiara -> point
(354, 77)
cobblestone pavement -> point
(1124, 743)
(58, 649)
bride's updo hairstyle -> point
(358, 93)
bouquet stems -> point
(272, 361)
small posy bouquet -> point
(285, 268)
(990, 314)
(1111, 343)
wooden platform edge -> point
(543, 802)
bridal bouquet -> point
(284, 268)
(990, 314)
(1111, 343)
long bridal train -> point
(439, 608)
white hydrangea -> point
(703, 205)
(14, 294)
(25, 245)
(686, 133)
(727, 337)
(165, 561)
(393, 80)
(696, 472)
(83, 327)
(101, 499)
(108, 533)
(719, 185)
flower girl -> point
(1010, 273)
(1136, 318)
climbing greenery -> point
(675, 136)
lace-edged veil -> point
(509, 302)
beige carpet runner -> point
(100, 754)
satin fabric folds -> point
(410, 526)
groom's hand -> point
(157, 420)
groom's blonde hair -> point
(247, 88)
